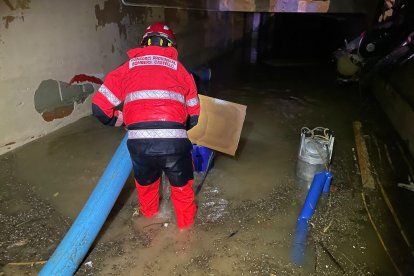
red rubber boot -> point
(184, 204)
(148, 198)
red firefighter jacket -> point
(154, 96)
(153, 87)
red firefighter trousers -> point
(181, 197)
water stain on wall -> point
(7, 20)
(18, 4)
(56, 99)
(15, 6)
(211, 5)
(311, 6)
(111, 13)
(114, 12)
(57, 113)
(238, 5)
(8, 4)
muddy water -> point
(248, 204)
(65, 166)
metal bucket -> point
(315, 152)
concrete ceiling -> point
(320, 6)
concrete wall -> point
(54, 53)
(395, 92)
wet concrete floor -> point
(248, 204)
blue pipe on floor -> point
(300, 241)
(321, 182)
(76, 243)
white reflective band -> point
(193, 102)
(157, 133)
(119, 120)
(109, 95)
(154, 95)
(153, 60)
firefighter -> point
(156, 99)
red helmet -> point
(159, 30)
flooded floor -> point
(248, 204)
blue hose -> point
(76, 243)
(299, 242)
(321, 182)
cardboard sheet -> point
(219, 126)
